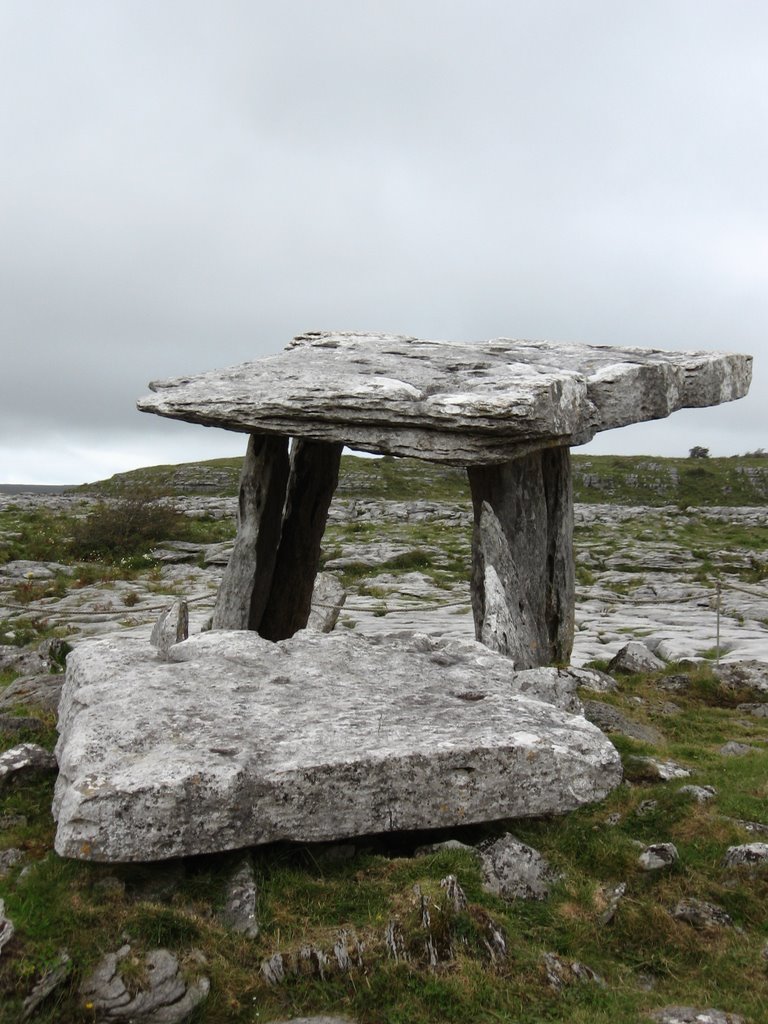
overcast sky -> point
(186, 185)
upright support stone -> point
(313, 478)
(522, 557)
(247, 579)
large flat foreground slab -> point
(237, 741)
(449, 401)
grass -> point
(308, 894)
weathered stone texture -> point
(457, 402)
(236, 741)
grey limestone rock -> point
(735, 749)
(448, 401)
(239, 912)
(561, 972)
(748, 675)
(635, 657)
(236, 741)
(328, 599)
(701, 914)
(513, 870)
(691, 1015)
(171, 628)
(168, 997)
(611, 897)
(610, 719)
(42, 691)
(701, 794)
(593, 679)
(23, 760)
(662, 771)
(9, 859)
(749, 855)
(48, 983)
(658, 856)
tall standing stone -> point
(522, 557)
(247, 581)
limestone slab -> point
(236, 741)
(456, 402)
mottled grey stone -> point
(735, 749)
(690, 1015)
(561, 972)
(662, 771)
(749, 855)
(25, 759)
(236, 741)
(701, 794)
(49, 981)
(448, 401)
(701, 914)
(41, 691)
(328, 599)
(7, 929)
(168, 997)
(635, 657)
(239, 911)
(171, 628)
(658, 856)
(9, 859)
(513, 870)
(746, 675)
(610, 719)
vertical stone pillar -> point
(522, 557)
(313, 479)
(247, 579)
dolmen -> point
(263, 729)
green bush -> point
(124, 526)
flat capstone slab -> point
(236, 741)
(463, 403)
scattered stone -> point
(561, 972)
(6, 927)
(734, 749)
(48, 656)
(24, 569)
(702, 915)
(454, 894)
(610, 897)
(166, 995)
(658, 856)
(279, 729)
(48, 982)
(690, 1015)
(593, 679)
(449, 844)
(314, 1020)
(610, 719)
(655, 770)
(513, 870)
(171, 628)
(9, 821)
(701, 794)
(676, 683)
(42, 691)
(635, 657)
(555, 685)
(328, 599)
(646, 807)
(749, 855)
(175, 552)
(743, 675)
(239, 913)
(756, 710)
(9, 859)
(750, 826)
(24, 760)
(613, 819)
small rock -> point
(328, 597)
(167, 997)
(239, 913)
(613, 819)
(750, 826)
(49, 981)
(734, 749)
(449, 844)
(171, 628)
(43, 690)
(701, 794)
(743, 675)
(25, 759)
(659, 770)
(454, 894)
(9, 859)
(658, 856)
(676, 684)
(752, 855)
(6, 927)
(553, 685)
(610, 719)
(561, 972)
(513, 870)
(593, 679)
(611, 897)
(635, 657)
(690, 1015)
(646, 807)
(756, 710)
(702, 915)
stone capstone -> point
(449, 401)
(236, 741)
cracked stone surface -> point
(455, 402)
(237, 741)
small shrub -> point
(124, 526)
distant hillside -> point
(623, 480)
